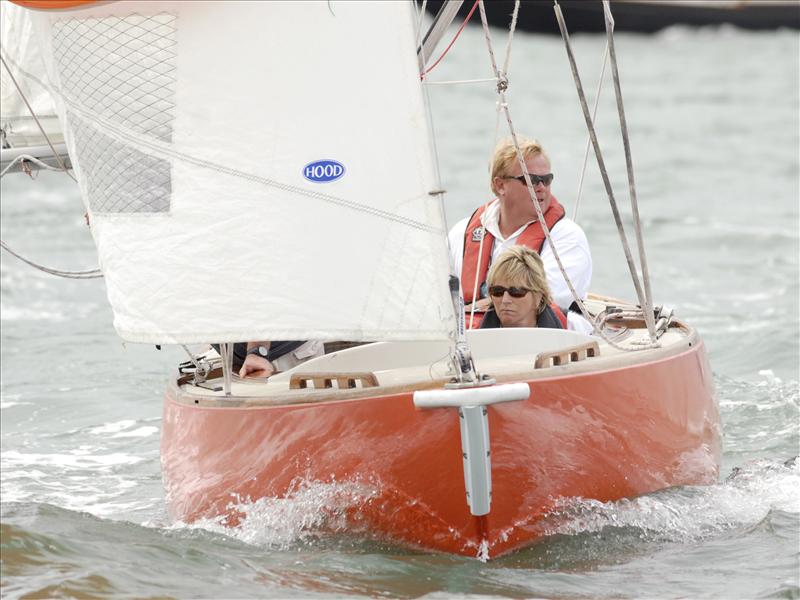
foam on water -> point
(311, 508)
(78, 459)
(119, 428)
(113, 427)
(9, 400)
(682, 514)
(87, 479)
(768, 394)
(688, 513)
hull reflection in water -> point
(615, 425)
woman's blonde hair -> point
(521, 265)
(505, 156)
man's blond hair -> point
(505, 156)
(519, 265)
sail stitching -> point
(159, 148)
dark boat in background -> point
(642, 16)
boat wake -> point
(691, 513)
(311, 509)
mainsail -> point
(254, 170)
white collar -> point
(490, 219)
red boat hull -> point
(603, 435)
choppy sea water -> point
(714, 120)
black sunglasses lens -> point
(535, 179)
(515, 292)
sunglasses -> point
(545, 179)
(497, 291)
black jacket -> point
(547, 318)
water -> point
(714, 127)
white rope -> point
(603, 172)
(92, 274)
(38, 124)
(28, 158)
(501, 87)
(192, 359)
(502, 84)
(588, 137)
(89, 274)
(511, 29)
(419, 23)
(649, 317)
(506, 63)
(475, 286)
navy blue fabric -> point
(547, 318)
(276, 350)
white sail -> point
(201, 134)
(20, 47)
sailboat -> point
(266, 171)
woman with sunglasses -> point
(521, 297)
(510, 219)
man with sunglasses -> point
(511, 219)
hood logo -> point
(323, 171)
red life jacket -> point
(559, 314)
(533, 237)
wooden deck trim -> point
(567, 355)
(191, 396)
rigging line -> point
(511, 30)
(458, 81)
(498, 78)
(599, 155)
(458, 306)
(475, 286)
(419, 22)
(503, 104)
(91, 274)
(28, 158)
(637, 226)
(504, 72)
(192, 358)
(588, 138)
(36, 119)
(540, 216)
(453, 41)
